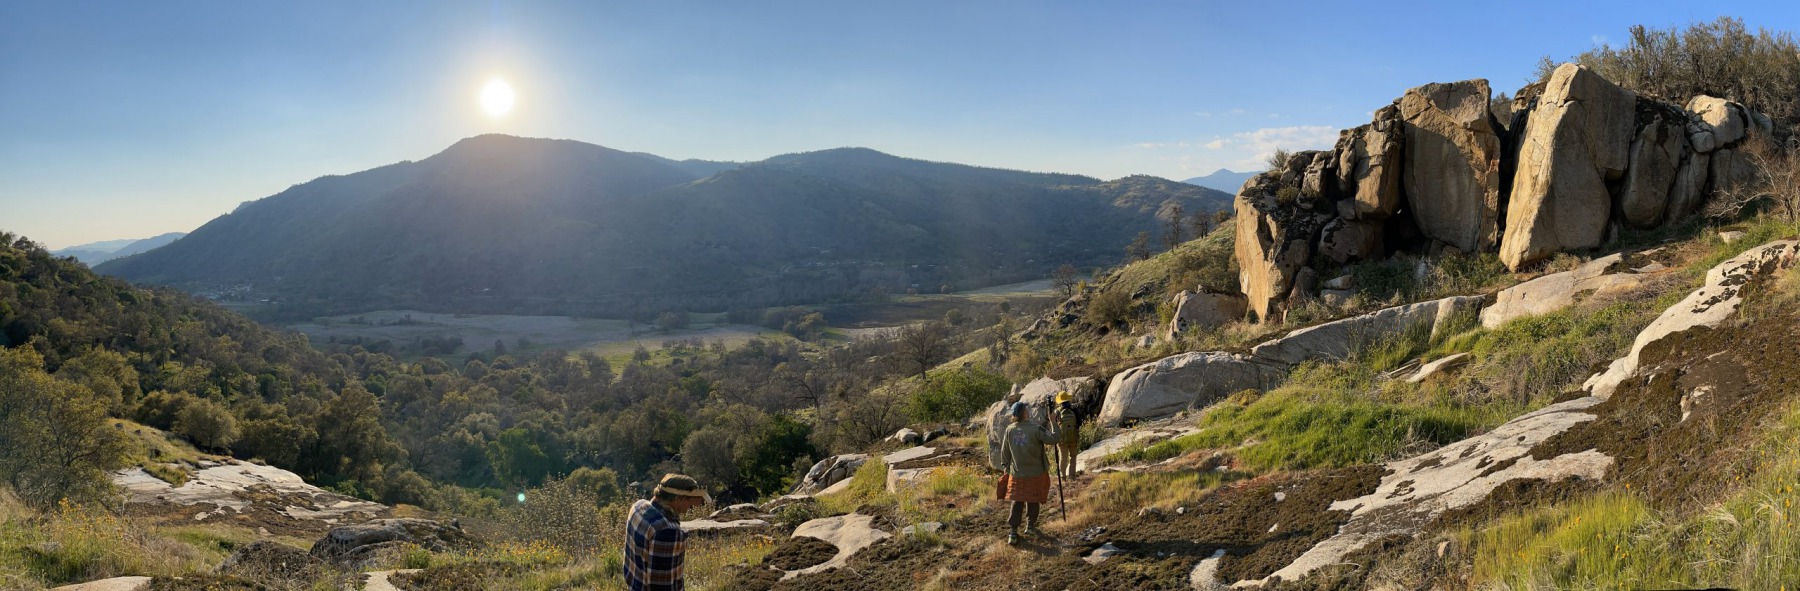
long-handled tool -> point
(1061, 500)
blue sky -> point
(129, 119)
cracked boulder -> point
(1275, 235)
(1655, 164)
(1369, 161)
(1452, 170)
(1718, 123)
(1577, 139)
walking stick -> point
(1061, 500)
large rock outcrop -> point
(1168, 385)
(1577, 139)
(1452, 171)
(1576, 159)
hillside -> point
(514, 225)
(99, 252)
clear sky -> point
(128, 119)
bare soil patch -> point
(1745, 372)
(800, 552)
(468, 576)
(893, 564)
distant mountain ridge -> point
(95, 253)
(1223, 180)
(506, 224)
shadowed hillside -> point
(499, 223)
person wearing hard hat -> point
(1027, 479)
(1068, 434)
(997, 424)
(655, 545)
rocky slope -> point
(1363, 526)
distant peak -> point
(501, 139)
(852, 151)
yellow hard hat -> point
(1062, 397)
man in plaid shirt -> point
(654, 542)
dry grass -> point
(74, 544)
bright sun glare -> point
(496, 98)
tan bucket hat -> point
(682, 486)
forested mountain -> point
(500, 223)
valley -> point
(412, 334)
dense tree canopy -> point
(80, 347)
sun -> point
(497, 98)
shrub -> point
(1278, 159)
(1109, 308)
(206, 423)
(1720, 58)
(560, 514)
(954, 395)
(55, 441)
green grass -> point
(867, 485)
(1757, 231)
(170, 473)
(1528, 361)
(1291, 429)
(1333, 414)
(1341, 414)
(149, 445)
